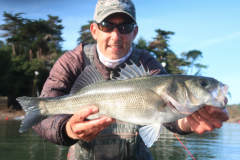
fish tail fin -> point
(35, 112)
(150, 133)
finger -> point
(83, 113)
(92, 136)
(218, 113)
(216, 123)
(84, 134)
(93, 124)
(192, 123)
(205, 125)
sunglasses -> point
(109, 27)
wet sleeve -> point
(61, 78)
(174, 127)
(155, 68)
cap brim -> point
(110, 12)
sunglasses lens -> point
(106, 27)
(125, 28)
(122, 28)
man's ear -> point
(93, 29)
(135, 32)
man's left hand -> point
(205, 119)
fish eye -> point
(203, 82)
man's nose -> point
(115, 35)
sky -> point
(211, 26)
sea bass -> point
(135, 97)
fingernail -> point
(95, 110)
(109, 120)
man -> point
(114, 29)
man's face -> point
(114, 45)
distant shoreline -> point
(10, 114)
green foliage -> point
(85, 34)
(17, 73)
(191, 57)
(5, 54)
(12, 24)
(159, 48)
(141, 44)
(35, 38)
(32, 45)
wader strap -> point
(88, 55)
(135, 55)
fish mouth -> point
(218, 96)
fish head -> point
(188, 94)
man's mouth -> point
(115, 46)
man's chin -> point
(116, 54)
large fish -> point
(135, 97)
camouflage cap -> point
(105, 8)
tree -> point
(159, 47)
(17, 74)
(85, 34)
(141, 44)
(35, 42)
(11, 26)
(191, 57)
(35, 38)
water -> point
(223, 144)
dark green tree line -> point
(35, 38)
(31, 45)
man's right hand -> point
(79, 128)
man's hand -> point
(79, 128)
(205, 119)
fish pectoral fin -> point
(150, 133)
(153, 100)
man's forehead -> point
(119, 16)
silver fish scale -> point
(125, 100)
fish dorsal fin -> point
(89, 76)
(133, 71)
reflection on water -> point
(27, 145)
(223, 144)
